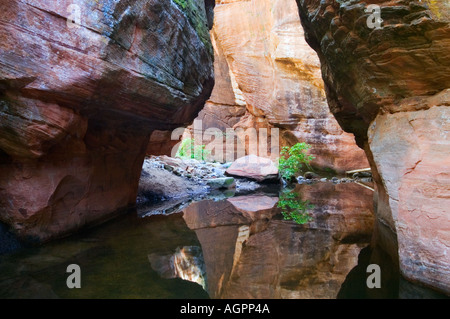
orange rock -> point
(268, 77)
(412, 157)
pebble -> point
(335, 180)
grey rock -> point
(246, 185)
(222, 182)
(226, 165)
(168, 168)
(335, 180)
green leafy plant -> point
(188, 149)
(293, 160)
(294, 208)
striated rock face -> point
(250, 252)
(390, 87)
(268, 77)
(82, 86)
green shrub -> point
(293, 160)
(188, 149)
(294, 208)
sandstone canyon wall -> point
(268, 77)
(82, 86)
(390, 87)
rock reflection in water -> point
(251, 252)
(239, 247)
(186, 263)
(114, 261)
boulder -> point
(254, 167)
(158, 184)
(80, 96)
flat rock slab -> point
(254, 167)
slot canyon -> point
(91, 93)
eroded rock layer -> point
(82, 86)
(267, 77)
(390, 87)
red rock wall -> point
(78, 104)
(390, 87)
(267, 76)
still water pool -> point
(238, 247)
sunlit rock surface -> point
(82, 86)
(268, 77)
(186, 263)
(390, 87)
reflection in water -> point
(243, 235)
(239, 247)
(186, 263)
(189, 265)
(274, 258)
(294, 208)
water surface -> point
(239, 247)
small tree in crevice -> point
(293, 160)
